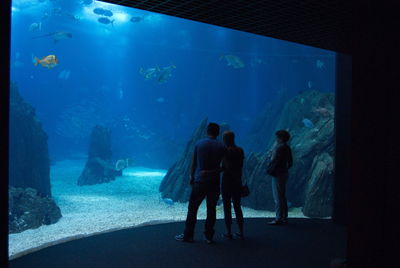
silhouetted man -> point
(207, 155)
(278, 168)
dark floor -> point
(303, 243)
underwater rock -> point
(263, 126)
(28, 210)
(29, 164)
(99, 167)
(175, 184)
(308, 185)
(260, 186)
(318, 195)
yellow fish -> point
(49, 61)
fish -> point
(49, 61)
(121, 94)
(320, 64)
(308, 123)
(87, 2)
(136, 19)
(160, 100)
(107, 13)
(105, 21)
(56, 36)
(168, 201)
(98, 11)
(233, 61)
(36, 26)
(120, 164)
(322, 111)
(149, 73)
(309, 84)
(166, 73)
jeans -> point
(279, 193)
(200, 190)
(231, 193)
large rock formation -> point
(311, 177)
(28, 210)
(99, 167)
(29, 164)
(30, 203)
(264, 124)
(175, 184)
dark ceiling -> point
(319, 23)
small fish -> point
(107, 13)
(160, 100)
(309, 84)
(98, 11)
(166, 73)
(322, 111)
(49, 61)
(105, 21)
(36, 26)
(56, 36)
(320, 64)
(168, 201)
(149, 73)
(136, 19)
(87, 2)
(308, 123)
(121, 94)
(120, 164)
(233, 61)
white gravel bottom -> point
(129, 201)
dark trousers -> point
(279, 193)
(231, 194)
(199, 192)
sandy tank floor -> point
(129, 201)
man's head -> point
(282, 135)
(213, 130)
(229, 138)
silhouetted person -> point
(278, 168)
(207, 155)
(232, 165)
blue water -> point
(98, 78)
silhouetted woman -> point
(231, 186)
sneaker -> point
(239, 235)
(229, 236)
(182, 238)
(276, 222)
(208, 240)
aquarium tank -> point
(107, 102)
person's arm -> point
(213, 172)
(275, 160)
(193, 166)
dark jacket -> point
(281, 161)
(232, 164)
